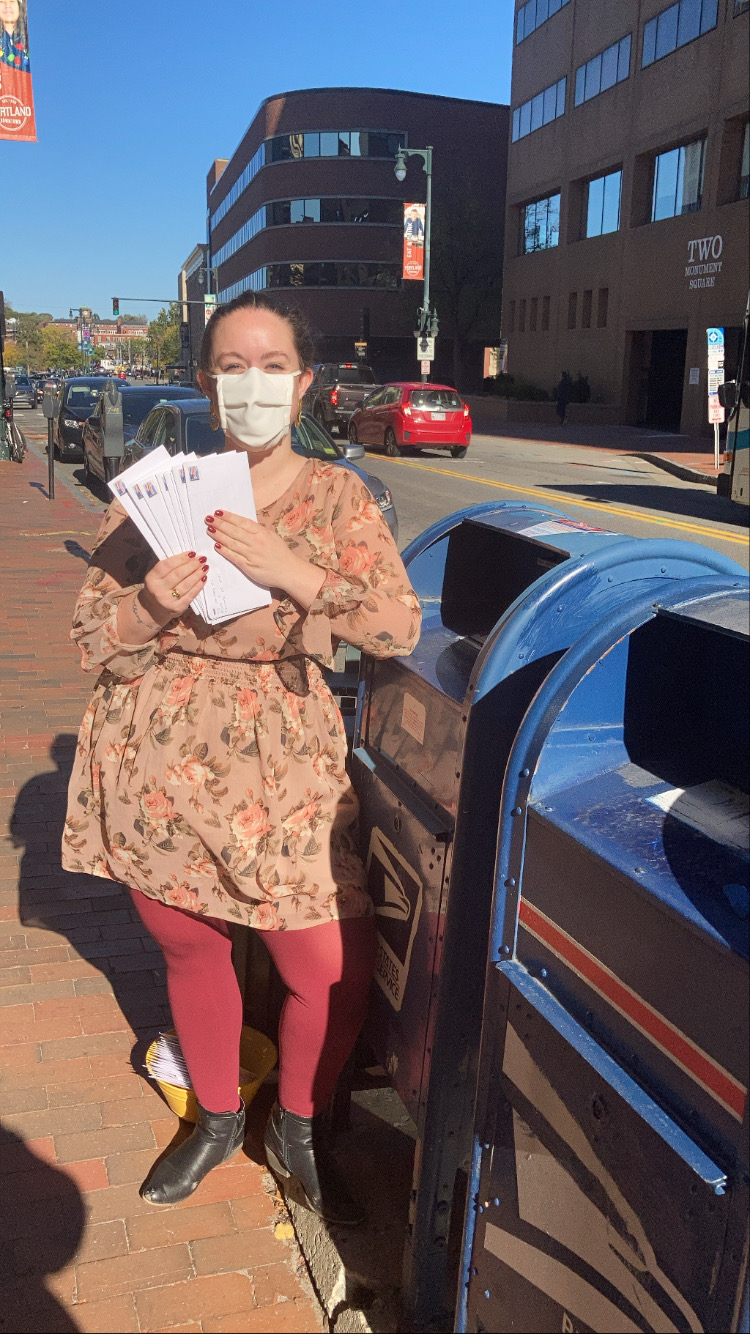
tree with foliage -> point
(164, 336)
(24, 337)
(59, 350)
(467, 274)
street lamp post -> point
(428, 319)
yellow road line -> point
(538, 494)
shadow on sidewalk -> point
(690, 503)
(94, 915)
(42, 1222)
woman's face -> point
(254, 337)
(10, 11)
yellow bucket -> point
(258, 1056)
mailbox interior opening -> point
(686, 703)
(486, 569)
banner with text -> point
(16, 96)
(414, 218)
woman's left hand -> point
(264, 556)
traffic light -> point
(115, 305)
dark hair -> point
(297, 321)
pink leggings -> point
(327, 971)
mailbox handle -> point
(587, 1047)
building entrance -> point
(666, 375)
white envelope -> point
(216, 481)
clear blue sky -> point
(134, 101)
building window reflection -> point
(533, 14)
(316, 143)
(539, 110)
(285, 212)
(603, 204)
(678, 181)
(540, 225)
(318, 273)
(744, 189)
(603, 71)
(677, 26)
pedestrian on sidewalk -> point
(563, 395)
(210, 771)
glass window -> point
(437, 399)
(676, 26)
(199, 437)
(540, 224)
(545, 314)
(572, 309)
(329, 144)
(354, 143)
(689, 21)
(343, 143)
(586, 305)
(296, 210)
(666, 31)
(593, 78)
(603, 71)
(539, 110)
(533, 14)
(533, 312)
(603, 204)
(678, 181)
(609, 67)
(312, 145)
(522, 316)
(744, 190)
(312, 440)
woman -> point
(210, 771)
(14, 42)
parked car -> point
(25, 394)
(409, 416)
(137, 403)
(80, 394)
(184, 426)
(337, 390)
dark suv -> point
(80, 395)
(337, 391)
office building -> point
(626, 223)
(308, 206)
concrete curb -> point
(677, 469)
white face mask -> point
(255, 408)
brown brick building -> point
(309, 205)
(626, 226)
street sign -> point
(360, 349)
(426, 347)
(209, 303)
(715, 345)
(424, 367)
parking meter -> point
(50, 408)
(112, 426)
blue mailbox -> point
(506, 590)
(609, 1183)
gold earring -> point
(214, 421)
(298, 418)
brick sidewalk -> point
(82, 991)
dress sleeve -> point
(366, 599)
(116, 570)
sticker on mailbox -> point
(413, 717)
(397, 894)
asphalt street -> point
(612, 490)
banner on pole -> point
(16, 96)
(414, 220)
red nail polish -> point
(217, 546)
(203, 580)
(219, 514)
(191, 553)
(208, 518)
(211, 531)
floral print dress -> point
(210, 766)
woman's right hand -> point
(171, 585)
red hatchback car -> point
(404, 418)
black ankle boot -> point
(217, 1137)
(298, 1146)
